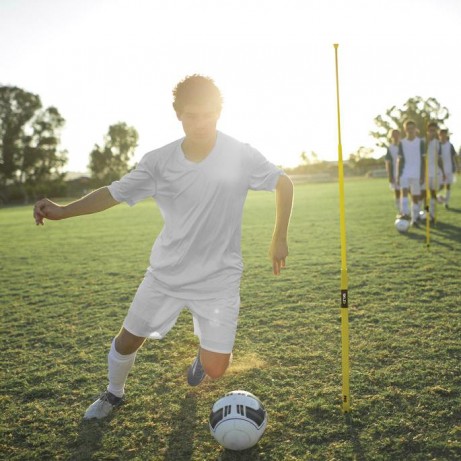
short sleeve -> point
(263, 175)
(136, 185)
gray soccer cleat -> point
(102, 407)
(196, 374)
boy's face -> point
(410, 130)
(443, 136)
(432, 132)
(396, 136)
(199, 121)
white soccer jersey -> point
(412, 158)
(197, 254)
(432, 159)
(446, 151)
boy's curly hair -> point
(196, 89)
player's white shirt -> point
(447, 161)
(412, 155)
(432, 159)
(197, 254)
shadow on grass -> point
(181, 440)
(247, 455)
(353, 432)
(448, 231)
(89, 440)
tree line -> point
(32, 162)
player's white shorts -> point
(153, 314)
(448, 179)
(434, 183)
(412, 184)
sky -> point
(102, 62)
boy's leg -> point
(447, 196)
(215, 323)
(120, 359)
(404, 206)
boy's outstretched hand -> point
(47, 209)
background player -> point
(391, 166)
(411, 170)
(449, 163)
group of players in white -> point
(406, 163)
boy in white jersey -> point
(449, 163)
(200, 183)
(434, 165)
(411, 171)
(391, 165)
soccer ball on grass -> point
(402, 225)
(238, 420)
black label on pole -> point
(344, 302)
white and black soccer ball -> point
(402, 225)
(238, 420)
(422, 215)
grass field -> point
(65, 288)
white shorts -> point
(412, 184)
(153, 314)
(434, 183)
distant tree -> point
(29, 141)
(309, 159)
(112, 160)
(420, 110)
(361, 161)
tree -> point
(29, 141)
(420, 110)
(362, 160)
(111, 161)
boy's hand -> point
(47, 209)
(278, 253)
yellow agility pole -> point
(428, 196)
(346, 401)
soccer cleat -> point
(447, 206)
(102, 407)
(196, 374)
(403, 216)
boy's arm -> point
(98, 200)
(283, 203)
(388, 163)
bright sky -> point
(104, 61)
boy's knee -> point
(127, 343)
(215, 371)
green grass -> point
(65, 289)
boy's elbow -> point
(284, 183)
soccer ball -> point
(422, 215)
(402, 225)
(238, 420)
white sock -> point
(432, 207)
(415, 212)
(447, 196)
(119, 367)
(405, 209)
